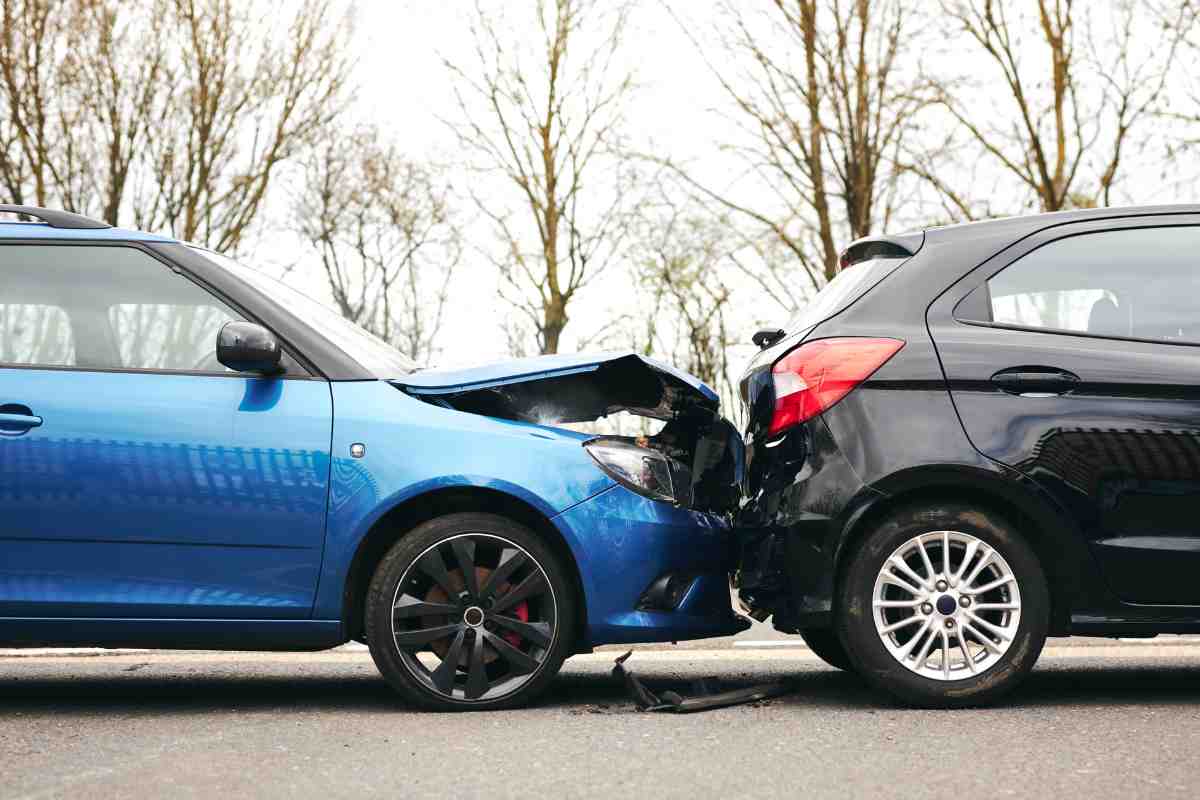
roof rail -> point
(55, 219)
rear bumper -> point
(805, 495)
(623, 542)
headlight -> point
(645, 471)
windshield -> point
(846, 287)
(369, 350)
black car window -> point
(845, 287)
(104, 308)
(1139, 283)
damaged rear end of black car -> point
(856, 530)
(800, 487)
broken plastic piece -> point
(646, 700)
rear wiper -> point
(767, 337)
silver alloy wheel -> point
(946, 605)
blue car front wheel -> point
(470, 611)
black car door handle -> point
(16, 424)
(1035, 380)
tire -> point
(493, 643)
(826, 645)
(958, 667)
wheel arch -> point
(1070, 572)
(407, 514)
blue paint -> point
(623, 541)
(163, 495)
(178, 496)
(413, 448)
(168, 509)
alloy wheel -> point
(946, 605)
(474, 617)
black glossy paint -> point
(1101, 470)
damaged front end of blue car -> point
(654, 548)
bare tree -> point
(817, 90)
(175, 114)
(81, 81)
(386, 237)
(545, 124)
(679, 255)
(115, 73)
(1182, 106)
(1064, 121)
(251, 91)
(33, 43)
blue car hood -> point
(565, 388)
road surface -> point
(1119, 720)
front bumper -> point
(623, 543)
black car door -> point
(1074, 357)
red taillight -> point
(817, 374)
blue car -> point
(193, 455)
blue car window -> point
(169, 336)
(366, 348)
(98, 307)
(35, 333)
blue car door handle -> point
(16, 424)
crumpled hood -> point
(565, 388)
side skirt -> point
(172, 634)
(1137, 621)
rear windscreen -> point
(846, 287)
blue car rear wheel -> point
(470, 611)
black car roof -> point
(998, 229)
(1035, 222)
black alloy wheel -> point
(470, 611)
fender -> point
(1074, 577)
(343, 548)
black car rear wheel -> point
(470, 611)
(826, 645)
(944, 606)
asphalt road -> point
(1117, 720)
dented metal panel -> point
(565, 388)
(705, 451)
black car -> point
(975, 437)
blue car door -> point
(139, 478)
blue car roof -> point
(40, 230)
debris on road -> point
(707, 698)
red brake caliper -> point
(521, 611)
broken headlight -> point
(645, 471)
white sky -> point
(405, 90)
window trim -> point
(320, 355)
(293, 359)
(1105, 226)
(1004, 326)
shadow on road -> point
(1080, 686)
(131, 692)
